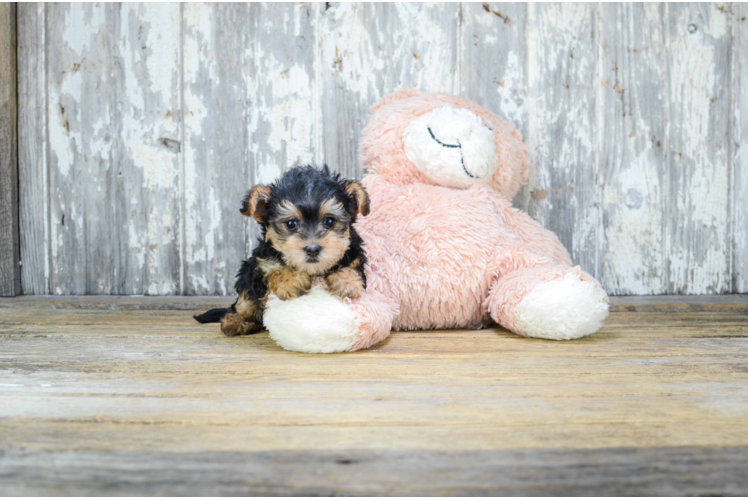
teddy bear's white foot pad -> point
(316, 322)
(562, 309)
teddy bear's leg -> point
(549, 302)
(320, 322)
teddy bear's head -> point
(443, 140)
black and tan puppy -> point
(306, 218)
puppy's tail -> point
(212, 316)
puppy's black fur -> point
(307, 230)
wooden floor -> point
(130, 396)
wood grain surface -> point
(676, 471)
(142, 126)
(215, 146)
(739, 184)
(150, 402)
(10, 255)
(33, 181)
(699, 249)
(635, 178)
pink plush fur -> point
(441, 257)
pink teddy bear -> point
(445, 248)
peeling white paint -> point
(511, 90)
(288, 117)
(81, 22)
(197, 43)
(136, 245)
(307, 76)
(562, 130)
(157, 163)
(162, 20)
(64, 137)
(149, 130)
(700, 255)
(633, 89)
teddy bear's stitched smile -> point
(458, 145)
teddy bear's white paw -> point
(563, 309)
(316, 322)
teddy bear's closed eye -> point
(452, 147)
(458, 145)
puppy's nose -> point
(313, 250)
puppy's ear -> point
(253, 204)
(358, 198)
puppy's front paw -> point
(287, 283)
(346, 282)
(234, 324)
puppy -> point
(307, 230)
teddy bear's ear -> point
(358, 197)
(396, 96)
(253, 204)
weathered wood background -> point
(141, 125)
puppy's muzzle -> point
(312, 251)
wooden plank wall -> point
(10, 271)
(141, 125)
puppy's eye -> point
(292, 224)
(329, 222)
